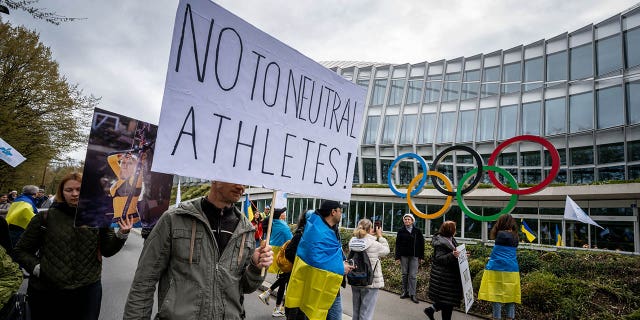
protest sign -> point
(240, 106)
(9, 155)
(465, 277)
(116, 181)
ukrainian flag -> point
(501, 277)
(248, 211)
(20, 213)
(524, 227)
(558, 237)
(317, 271)
(280, 233)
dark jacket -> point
(69, 257)
(409, 244)
(445, 285)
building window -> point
(472, 75)
(531, 176)
(609, 153)
(491, 74)
(447, 126)
(369, 170)
(384, 170)
(507, 128)
(530, 159)
(427, 125)
(363, 83)
(408, 128)
(531, 118)
(581, 112)
(397, 89)
(470, 90)
(511, 72)
(581, 62)
(610, 107)
(510, 88)
(608, 53)
(508, 159)
(582, 156)
(632, 47)
(611, 173)
(389, 131)
(356, 175)
(634, 172)
(405, 169)
(379, 89)
(582, 176)
(633, 102)
(414, 91)
(633, 150)
(489, 89)
(371, 132)
(432, 91)
(465, 126)
(486, 124)
(554, 116)
(563, 157)
(557, 66)
(451, 91)
(533, 70)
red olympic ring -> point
(555, 164)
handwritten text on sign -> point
(240, 106)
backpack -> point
(281, 261)
(362, 275)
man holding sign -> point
(202, 254)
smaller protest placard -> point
(465, 277)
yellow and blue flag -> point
(524, 227)
(248, 211)
(501, 276)
(280, 233)
(317, 271)
(558, 237)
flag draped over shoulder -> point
(524, 227)
(558, 237)
(280, 233)
(501, 277)
(317, 271)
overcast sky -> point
(120, 51)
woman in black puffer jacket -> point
(445, 287)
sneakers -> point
(278, 312)
(429, 312)
(264, 297)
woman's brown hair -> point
(506, 222)
(448, 229)
(71, 176)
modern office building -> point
(580, 90)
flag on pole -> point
(178, 195)
(558, 237)
(281, 200)
(248, 211)
(573, 212)
(524, 227)
(10, 155)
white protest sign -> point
(241, 106)
(465, 277)
(10, 155)
(281, 200)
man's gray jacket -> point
(195, 281)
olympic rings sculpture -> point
(513, 190)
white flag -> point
(10, 155)
(573, 212)
(178, 196)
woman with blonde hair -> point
(369, 239)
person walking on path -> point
(369, 239)
(501, 277)
(280, 234)
(65, 262)
(410, 254)
(203, 257)
(445, 286)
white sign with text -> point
(465, 277)
(240, 106)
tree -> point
(42, 115)
(38, 13)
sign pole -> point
(272, 209)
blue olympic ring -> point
(425, 169)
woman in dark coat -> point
(445, 286)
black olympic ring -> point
(473, 183)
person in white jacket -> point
(369, 239)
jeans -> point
(409, 266)
(497, 310)
(364, 302)
(335, 312)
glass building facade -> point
(580, 90)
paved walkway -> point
(388, 306)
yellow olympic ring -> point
(447, 204)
